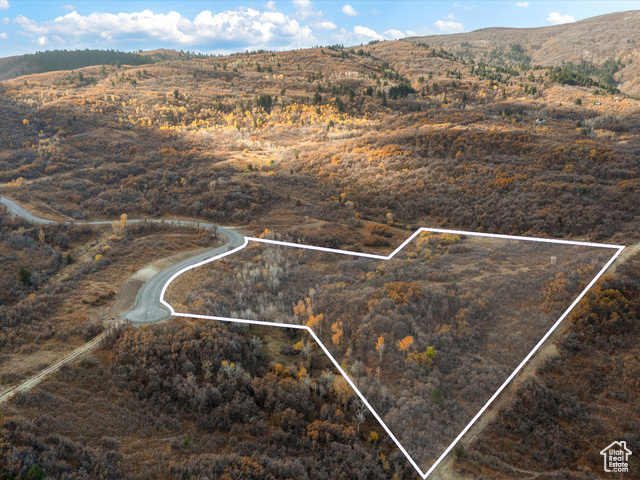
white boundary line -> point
(618, 248)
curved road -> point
(148, 308)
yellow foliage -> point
(336, 330)
(405, 343)
(97, 257)
(443, 329)
(315, 322)
(16, 182)
(342, 389)
(403, 292)
(300, 308)
(449, 239)
(423, 359)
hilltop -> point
(57, 60)
(595, 40)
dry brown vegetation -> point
(189, 138)
(352, 148)
(563, 416)
(61, 282)
(454, 316)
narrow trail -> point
(446, 470)
(626, 254)
(37, 378)
(147, 309)
(150, 307)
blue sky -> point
(230, 26)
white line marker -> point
(618, 248)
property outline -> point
(424, 475)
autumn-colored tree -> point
(423, 359)
(16, 182)
(300, 308)
(315, 323)
(342, 390)
(380, 347)
(403, 292)
(404, 344)
(303, 308)
(336, 333)
(119, 226)
(555, 293)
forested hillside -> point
(343, 147)
(55, 60)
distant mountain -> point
(605, 48)
(54, 60)
(595, 40)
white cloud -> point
(42, 40)
(27, 24)
(243, 26)
(4, 36)
(374, 12)
(522, 4)
(393, 34)
(6, 20)
(71, 8)
(457, 5)
(448, 26)
(350, 11)
(362, 34)
(4, 4)
(367, 33)
(304, 9)
(270, 5)
(555, 18)
(324, 26)
(448, 16)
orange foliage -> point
(404, 344)
(403, 292)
